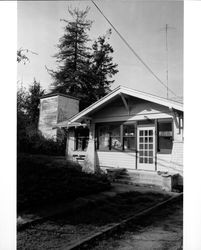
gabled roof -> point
(134, 93)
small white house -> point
(129, 129)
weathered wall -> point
(67, 107)
(48, 116)
(55, 109)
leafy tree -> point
(82, 72)
(22, 118)
(21, 57)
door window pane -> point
(151, 153)
(141, 139)
(151, 160)
(141, 153)
(150, 139)
(150, 132)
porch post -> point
(89, 163)
(70, 144)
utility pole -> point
(166, 31)
(166, 28)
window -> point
(129, 137)
(165, 137)
(104, 138)
(81, 139)
(115, 138)
(110, 137)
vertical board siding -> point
(116, 159)
(48, 116)
(67, 107)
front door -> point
(146, 148)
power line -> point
(133, 51)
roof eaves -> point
(134, 93)
(94, 105)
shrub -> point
(33, 142)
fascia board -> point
(151, 98)
(130, 92)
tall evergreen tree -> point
(73, 54)
(82, 72)
(103, 68)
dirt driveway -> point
(162, 230)
(68, 228)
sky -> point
(141, 23)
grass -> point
(43, 180)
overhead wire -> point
(133, 51)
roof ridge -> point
(146, 93)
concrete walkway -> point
(25, 219)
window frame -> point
(121, 137)
(82, 141)
(165, 151)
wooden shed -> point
(55, 108)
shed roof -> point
(55, 94)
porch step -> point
(142, 178)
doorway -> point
(146, 147)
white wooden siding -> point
(116, 159)
(172, 163)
